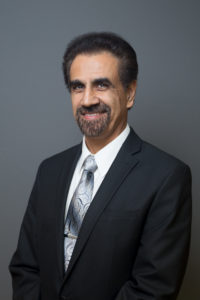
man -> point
(109, 218)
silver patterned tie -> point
(78, 207)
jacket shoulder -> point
(151, 156)
(160, 159)
(57, 160)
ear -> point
(131, 92)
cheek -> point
(75, 105)
(112, 100)
(116, 105)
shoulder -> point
(154, 163)
(153, 153)
(57, 160)
(161, 162)
(150, 155)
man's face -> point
(99, 100)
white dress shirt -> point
(104, 159)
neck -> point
(95, 144)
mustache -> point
(96, 108)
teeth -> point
(91, 114)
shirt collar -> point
(84, 154)
(105, 157)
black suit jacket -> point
(134, 239)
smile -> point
(92, 116)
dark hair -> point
(95, 42)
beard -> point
(93, 128)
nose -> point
(89, 97)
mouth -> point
(92, 116)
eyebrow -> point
(96, 81)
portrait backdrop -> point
(36, 119)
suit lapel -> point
(123, 164)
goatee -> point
(93, 128)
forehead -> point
(102, 64)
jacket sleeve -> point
(24, 267)
(163, 252)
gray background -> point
(35, 109)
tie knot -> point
(90, 164)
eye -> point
(102, 85)
(77, 87)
